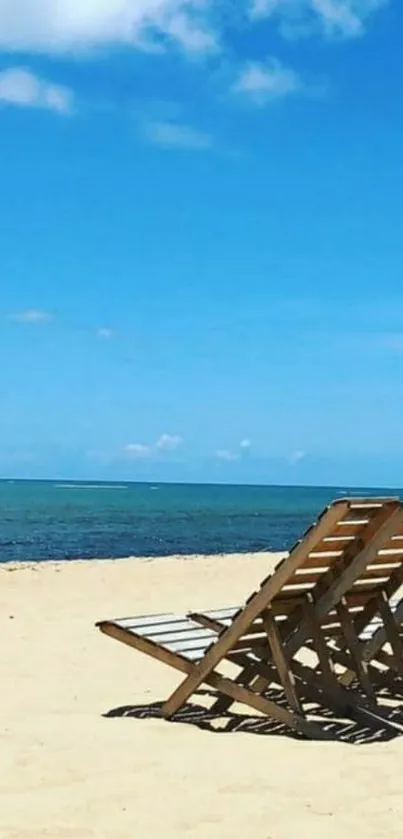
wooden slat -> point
(298, 589)
(378, 572)
(310, 575)
(382, 558)
(148, 620)
(183, 627)
(348, 529)
(364, 504)
(181, 637)
(219, 614)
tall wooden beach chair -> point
(360, 639)
(266, 636)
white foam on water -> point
(90, 486)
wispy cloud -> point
(164, 443)
(296, 457)
(168, 442)
(261, 83)
(230, 455)
(390, 342)
(137, 450)
(77, 25)
(31, 316)
(104, 333)
(342, 18)
(225, 454)
(21, 88)
(175, 135)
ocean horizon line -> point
(90, 482)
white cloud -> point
(31, 316)
(74, 25)
(345, 18)
(296, 457)
(175, 135)
(104, 333)
(229, 455)
(23, 89)
(167, 442)
(137, 450)
(262, 83)
(196, 26)
(225, 454)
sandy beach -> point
(67, 771)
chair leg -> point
(286, 675)
(392, 632)
(355, 647)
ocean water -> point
(41, 520)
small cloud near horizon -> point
(137, 450)
(228, 455)
(165, 443)
(168, 442)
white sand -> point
(67, 772)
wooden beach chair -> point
(264, 638)
(356, 630)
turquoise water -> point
(62, 520)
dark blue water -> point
(47, 520)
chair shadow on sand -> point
(339, 730)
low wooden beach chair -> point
(286, 615)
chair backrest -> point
(335, 557)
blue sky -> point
(201, 254)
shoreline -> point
(25, 564)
